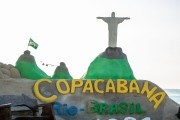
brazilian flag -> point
(33, 44)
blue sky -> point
(68, 31)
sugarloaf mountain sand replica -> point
(108, 90)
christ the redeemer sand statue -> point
(113, 27)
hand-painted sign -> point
(93, 86)
(114, 93)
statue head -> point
(113, 14)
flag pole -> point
(28, 44)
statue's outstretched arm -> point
(120, 20)
(104, 19)
(99, 17)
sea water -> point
(174, 94)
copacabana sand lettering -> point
(88, 86)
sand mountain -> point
(110, 64)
